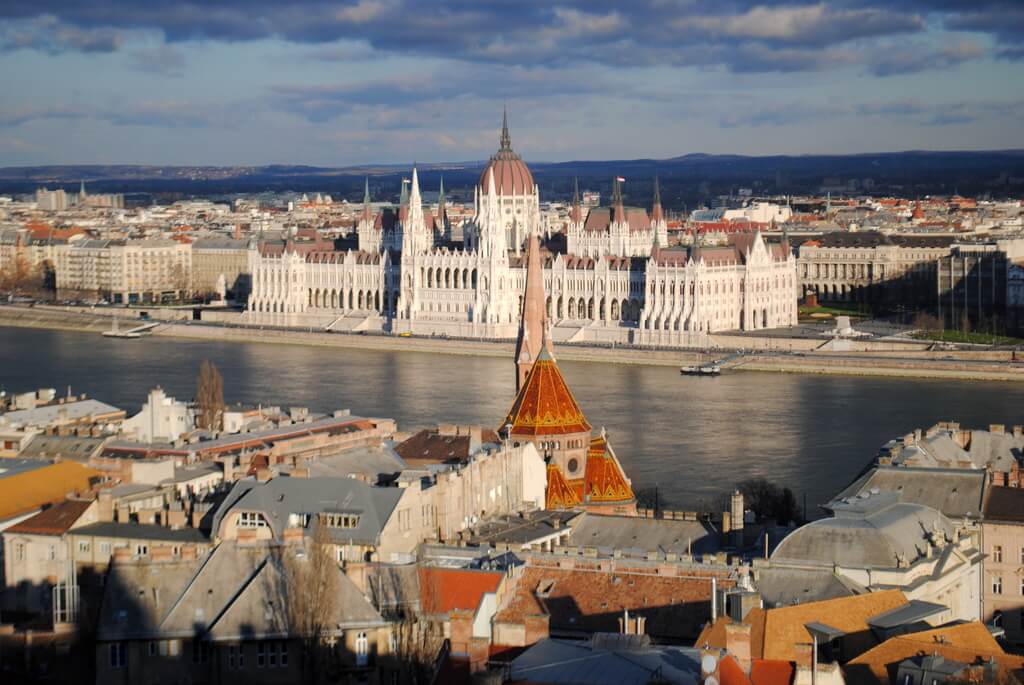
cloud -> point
(911, 59)
(739, 35)
(163, 61)
(47, 33)
(162, 114)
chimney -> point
(228, 465)
(461, 630)
(736, 507)
(1018, 431)
(997, 429)
(263, 475)
(105, 507)
(737, 643)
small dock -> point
(136, 332)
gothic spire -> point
(656, 212)
(403, 199)
(576, 213)
(506, 139)
(618, 210)
(366, 199)
(441, 207)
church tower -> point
(533, 317)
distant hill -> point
(686, 180)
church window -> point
(573, 465)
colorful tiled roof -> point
(559, 494)
(545, 405)
(604, 480)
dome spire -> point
(506, 139)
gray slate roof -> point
(278, 498)
(41, 416)
(234, 592)
(957, 493)
(872, 533)
(781, 587)
(642, 535)
(607, 660)
(141, 531)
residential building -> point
(125, 271)
(36, 556)
(225, 618)
(1002, 535)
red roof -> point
(55, 520)
(446, 589)
(762, 672)
(604, 482)
(559, 494)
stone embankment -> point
(988, 365)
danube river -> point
(691, 437)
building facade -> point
(124, 271)
(615, 283)
(872, 268)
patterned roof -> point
(545, 405)
(605, 483)
(559, 494)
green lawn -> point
(831, 311)
(971, 338)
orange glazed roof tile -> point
(545, 405)
(605, 481)
(559, 494)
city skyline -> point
(392, 82)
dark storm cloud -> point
(742, 35)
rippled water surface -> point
(691, 437)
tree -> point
(416, 639)
(769, 502)
(209, 397)
(312, 585)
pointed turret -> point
(367, 210)
(403, 199)
(442, 214)
(656, 212)
(533, 317)
(576, 213)
(81, 191)
(618, 210)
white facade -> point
(406, 277)
(162, 419)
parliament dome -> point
(511, 175)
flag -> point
(620, 179)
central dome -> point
(511, 175)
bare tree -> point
(19, 276)
(312, 598)
(416, 639)
(209, 397)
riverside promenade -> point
(908, 361)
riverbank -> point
(960, 365)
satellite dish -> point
(708, 664)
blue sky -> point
(338, 83)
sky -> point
(245, 82)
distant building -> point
(51, 200)
(216, 257)
(872, 268)
(125, 271)
(162, 419)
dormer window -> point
(251, 519)
(339, 520)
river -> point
(693, 438)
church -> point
(618, 281)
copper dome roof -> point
(511, 175)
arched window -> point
(362, 649)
